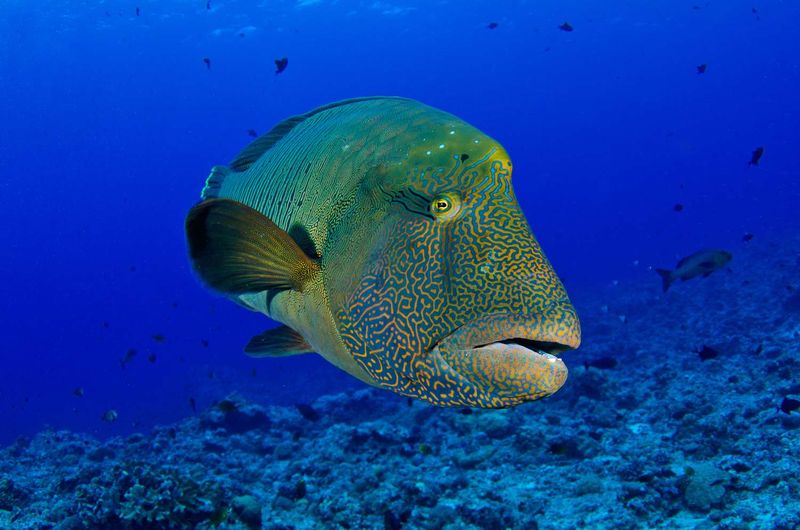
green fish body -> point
(384, 234)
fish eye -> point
(445, 206)
(442, 205)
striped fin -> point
(264, 143)
(278, 342)
(236, 249)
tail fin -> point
(666, 278)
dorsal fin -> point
(264, 143)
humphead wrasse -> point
(385, 235)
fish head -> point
(454, 301)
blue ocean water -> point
(110, 120)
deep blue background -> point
(109, 124)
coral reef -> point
(662, 439)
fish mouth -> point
(534, 346)
(506, 359)
(538, 333)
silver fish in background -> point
(701, 263)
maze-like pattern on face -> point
(433, 272)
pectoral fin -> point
(278, 342)
(236, 249)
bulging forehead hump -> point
(440, 150)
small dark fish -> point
(78, 391)
(707, 353)
(158, 337)
(492, 25)
(227, 406)
(756, 156)
(789, 405)
(701, 263)
(253, 372)
(466, 411)
(138, 11)
(747, 237)
(129, 356)
(603, 363)
(678, 207)
(192, 404)
(281, 64)
(208, 62)
(109, 416)
(204, 343)
(105, 324)
(211, 374)
(701, 69)
(307, 412)
(566, 26)
(252, 132)
(151, 357)
(208, 4)
(132, 268)
(242, 34)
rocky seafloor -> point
(666, 438)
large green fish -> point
(384, 234)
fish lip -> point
(530, 332)
(503, 375)
(474, 357)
